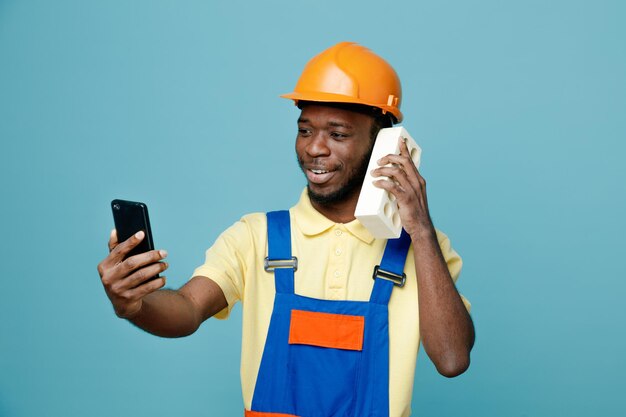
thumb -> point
(113, 240)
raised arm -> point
(446, 328)
(166, 313)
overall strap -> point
(279, 259)
(390, 272)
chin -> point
(329, 196)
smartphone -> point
(131, 217)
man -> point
(320, 336)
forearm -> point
(446, 328)
(167, 313)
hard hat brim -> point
(340, 98)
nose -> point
(318, 146)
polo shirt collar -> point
(311, 222)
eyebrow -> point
(339, 124)
(331, 123)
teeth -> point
(318, 171)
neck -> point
(338, 211)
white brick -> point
(377, 209)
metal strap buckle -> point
(271, 264)
(398, 280)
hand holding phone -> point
(131, 270)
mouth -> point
(319, 171)
(319, 176)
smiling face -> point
(333, 148)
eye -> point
(303, 131)
(338, 135)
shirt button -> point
(337, 251)
(337, 274)
(338, 232)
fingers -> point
(400, 170)
(106, 262)
(401, 178)
(132, 293)
(128, 303)
(127, 281)
(140, 275)
(135, 262)
(141, 291)
(405, 183)
(112, 240)
(138, 264)
(403, 159)
(397, 176)
(118, 251)
(126, 289)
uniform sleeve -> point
(227, 262)
(453, 260)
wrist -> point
(423, 233)
(130, 314)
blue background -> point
(519, 107)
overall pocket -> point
(325, 352)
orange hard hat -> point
(350, 73)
